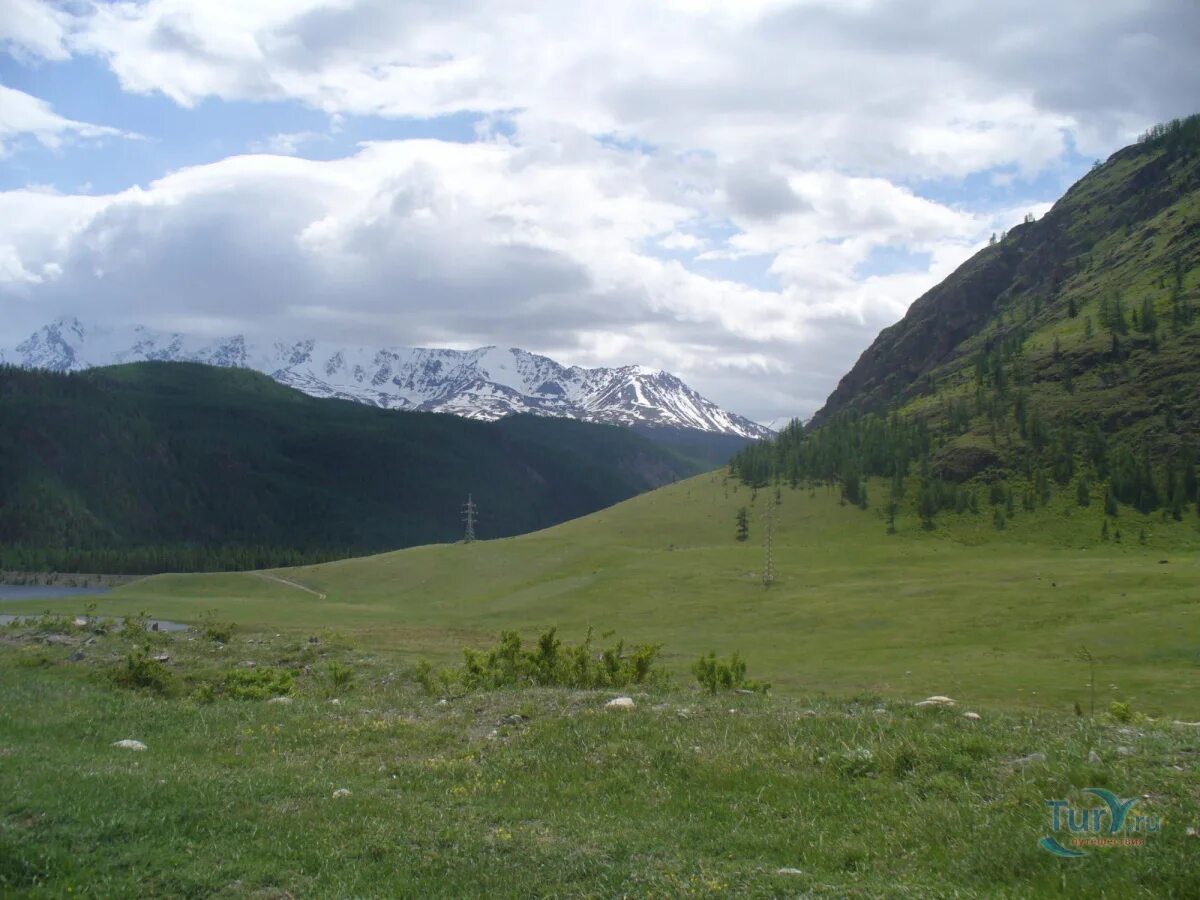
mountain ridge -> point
(487, 383)
(160, 466)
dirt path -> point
(290, 584)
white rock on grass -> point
(936, 700)
(786, 870)
(1094, 758)
(280, 700)
(128, 744)
(973, 716)
(1030, 759)
(621, 703)
(341, 792)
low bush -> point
(550, 663)
(340, 674)
(258, 684)
(716, 674)
(141, 671)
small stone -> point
(1192, 832)
(621, 703)
(341, 792)
(128, 744)
(879, 711)
(77, 656)
(163, 658)
(80, 622)
(336, 702)
(284, 700)
(973, 716)
(810, 714)
(248, 664)
(443, 702)
(788, 871)
(1125, 751)
(1030, 759)
(936, 700)
(1094, 758)
(514, 720)
(57, 639)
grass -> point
(687, 795)
(963, 610)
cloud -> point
(23, 114)
(288, 143)
(694, 185)
(904, 87)
(430, 242)
(34, 31)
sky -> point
(742, 193)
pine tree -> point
(743, 524)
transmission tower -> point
(469, 518)
(769, 542)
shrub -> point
(1120, 712)
(340, 674)
(258, 684)
(220, 632)
(550, 664)
(718, 675)
(141, 671)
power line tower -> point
(469, 517)
(769, 542)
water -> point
(45, 591)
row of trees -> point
(149, 560)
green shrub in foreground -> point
(718, 675)
(548, 664)
(258, 684)
(142, 671)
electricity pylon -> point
(469, 518)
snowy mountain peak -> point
(486, 383)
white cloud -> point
(24, 114)
(776, 146)
(933, 87)
(288, 143)
(34, 31)
(435, 242)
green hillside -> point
(158, 467)
(995, 618)
(1062, 359)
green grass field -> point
(993, 618)
(365, 786)
(834, 785)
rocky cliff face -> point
(1134, 216)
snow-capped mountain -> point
(488, 383)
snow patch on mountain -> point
(488, 383)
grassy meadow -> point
(835, 784)
(994, 617)
(361, 784)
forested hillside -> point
(175, 466)
(1064, 357)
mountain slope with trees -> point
(178, 466)
(1063, 357)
